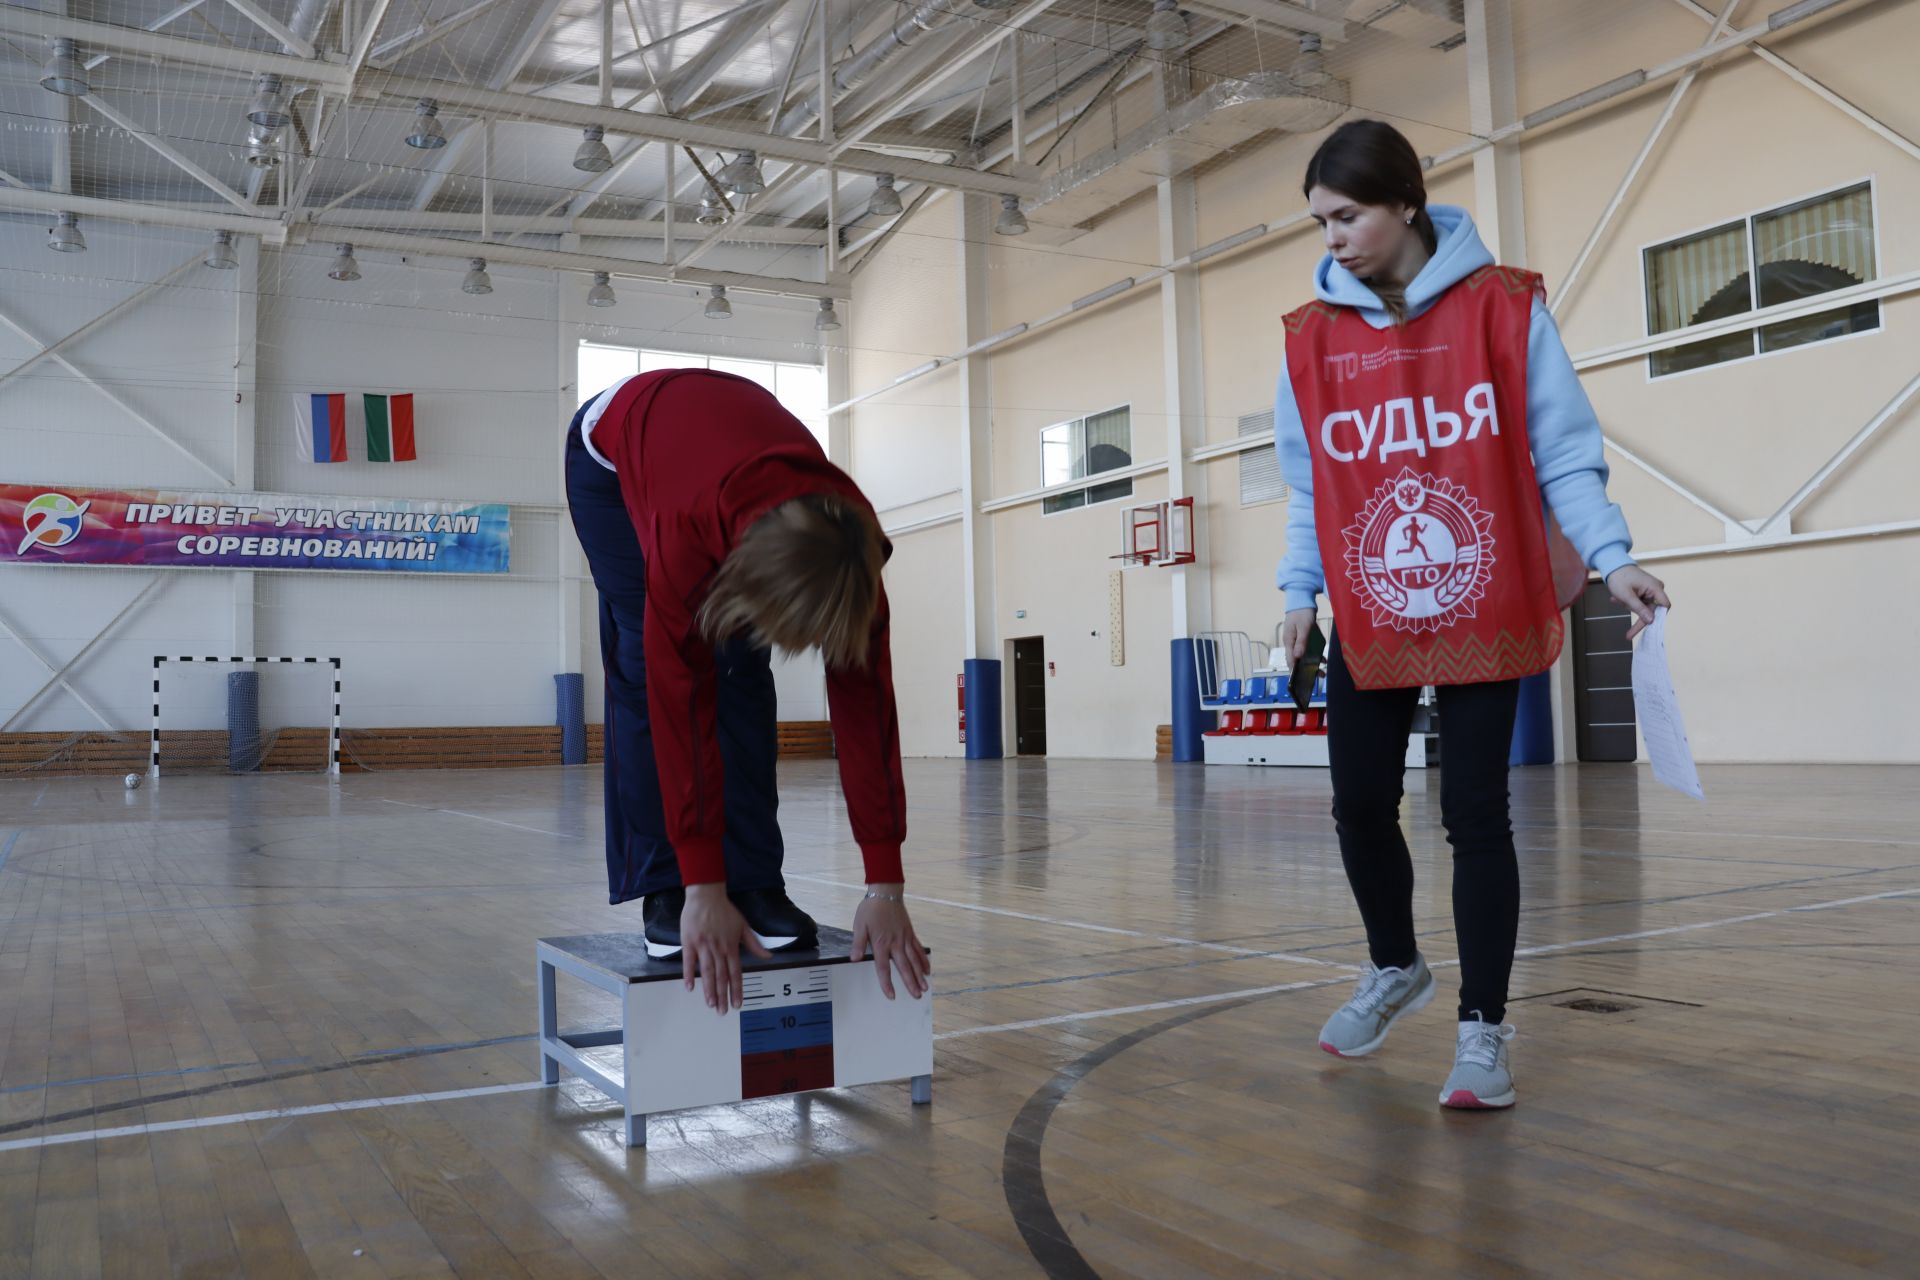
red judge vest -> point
(1424, 495)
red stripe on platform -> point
(765, 1075)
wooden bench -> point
(51, 754)
(806, 739)
(304, 749)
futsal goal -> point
(245, 715)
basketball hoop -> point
(1155, 534)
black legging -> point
(1367, 742)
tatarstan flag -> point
(390, 428)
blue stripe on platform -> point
(765, 1030)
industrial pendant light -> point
(1011, 221)
(221, 257)
(1166, 29)
(345, 266)
(261, 151)
(601, 295)
(593, 156)
(269, 106)
(64, 236)
(427, 133)
(477, 281)
(718, 308)
(886, 201)
(743, 176)
(64, 73)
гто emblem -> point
(1420, 554)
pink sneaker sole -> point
(1464, 1100)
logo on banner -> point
(1420, 555)
(51, 520)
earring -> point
(1409, 219)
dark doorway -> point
(1030, 696)
(1602, 677)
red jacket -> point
(701, 456)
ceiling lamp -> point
(1011, 221)
(427, 133)
(601, 295)
(344, 267)
(261, 151)
(1309, 69)
(221, 256)
(826, 318)
(1166, 29)
(64, 74)
(718, 308)
(743, 176)
(477, 281)
(886, 201)
(64, 235)
(593, 156)
(712, 212)
(269, 106)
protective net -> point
(259, 716)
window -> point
(800, 388)
(1260, 467)
(1797, 251)
(1087, 447)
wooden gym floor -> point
(1132, 962)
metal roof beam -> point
(661, 128)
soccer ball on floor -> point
(133, 782)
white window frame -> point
(1871, 181)
(1092, 482)
(698, 359)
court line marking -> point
(1519, 953)
(6, 850)
(1097, 928)
(451, 1095)
(479, 817)
(274, 1113)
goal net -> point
(245, 715)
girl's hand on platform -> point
(885, 929)
(1640, 591)
(1294, 633)
(712, 931)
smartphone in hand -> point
(1306, 672)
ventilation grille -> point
(1260, 468)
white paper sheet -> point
(1658, 711)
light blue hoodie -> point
(1568, 457)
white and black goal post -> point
(268, 720)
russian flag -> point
(330, 427)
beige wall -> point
(1743, 436)
(927, 639)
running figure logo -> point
(51, 520)
(1412, 530)
(1421, 553)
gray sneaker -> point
(1481, 1079)
(1382, 998)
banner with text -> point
(52, 524)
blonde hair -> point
(1393, 297)
(805, 575)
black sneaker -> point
(776, 921)
(661, 914)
